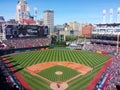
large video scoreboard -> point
(19, 31)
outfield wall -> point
(9, 51)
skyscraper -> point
(49, 19)
(22, 10)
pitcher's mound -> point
(58, 85)
(58, 73)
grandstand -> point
(105, 40)
(105, 37)
(19, 37)
(25, 43)
(110, 80)
(8, 81)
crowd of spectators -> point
(106, 48)
(108, 42)
(7, 79)
(24, 43)
(1, 45)
(113, 82)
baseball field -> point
(57, 69)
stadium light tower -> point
(118, 20)
(19, 14)
(111, 15)
(118, 15)
(117, 46)
(104, 16)
(35, 14)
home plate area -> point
(58, 73)
(58, 85)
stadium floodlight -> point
(104, 16)
(111, 11)
(104, 12)
(111, 15)
(35, 10)
(118, 10)
(35, 13)
(117, 45)
(118, 15)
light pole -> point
(35, 14)
(117, 46)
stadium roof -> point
(109, 24)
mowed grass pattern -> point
(96, 61)
(67, 73)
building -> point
(67, 27)
(12, 22)
(2, 20)
(87, 30)
(74, 25)
(22, 10)
(41, 21)
(49, 19)
(77, 26)
(59, 27)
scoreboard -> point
(24, 31)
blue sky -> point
(65, 10)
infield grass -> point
(50, 73)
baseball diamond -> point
(56, 69)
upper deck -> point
(108, 28)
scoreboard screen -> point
(20, 31)
(28, 31)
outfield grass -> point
(96, 61)
(67, 73)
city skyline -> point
(65, 10)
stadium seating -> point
(25, 43)
(111, 81)
(114, 72)
(101, 47)
(7, 79)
